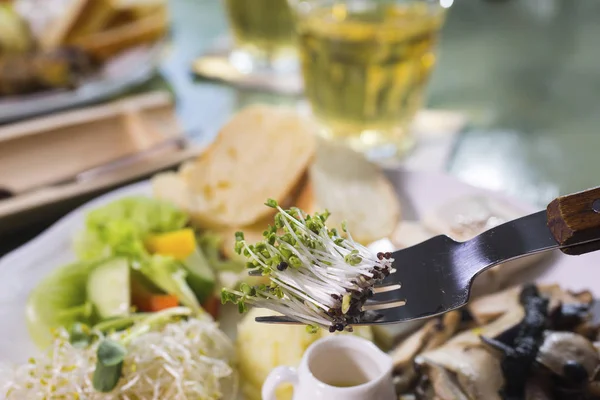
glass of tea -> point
(365, 66)
(264, 35)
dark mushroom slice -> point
(538, 389)
(594, 389)
(519, 354)
(487, 308)
(575, 317)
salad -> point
(172, 354)
(133, 316)
(135, 256)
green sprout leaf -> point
(109, 365)
(271, 203)
(106, 378)
(353, 258)
(111, 353)
(80, 335)
(294, 262)
(245, 288)
(312, 329)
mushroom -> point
(433, 334)
(488, 308)
(533, 343)
(585, 296)
(443, 384)
(520, 347)
(569, 356)
(475, 369)
(538, 389)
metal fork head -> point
(432, 278)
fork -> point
(436, 276)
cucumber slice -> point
(108, 289)
(200, 277)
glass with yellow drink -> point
(365, 66)
(264, 34)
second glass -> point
(365, 66)
(264, 34)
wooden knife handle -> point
(574, 219)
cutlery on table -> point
(176, 143)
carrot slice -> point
(145, 300)
(212, 306)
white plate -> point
(418, 192)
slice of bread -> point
(301, 198)
(262, 152)
(353, 190)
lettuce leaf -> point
(169, 275)
(119, 228)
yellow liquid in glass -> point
(265, 27)
(365, 70)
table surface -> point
(525, 72)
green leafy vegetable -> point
(169, 275)
(119, 228)
(59, 300)
(200, 276)
(80, 335)
(210, 244)
(119, 323)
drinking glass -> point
(365, 66)
(264, 35)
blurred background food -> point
(56, 44)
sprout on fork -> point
(317, 276)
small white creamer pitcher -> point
(337, 367)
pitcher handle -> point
(278, 376)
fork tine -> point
(277, 319)
(383, 305)
(382, 296)
(379, 317)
